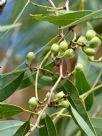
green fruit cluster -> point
(90, 41)
(58, 98)
(62, 50)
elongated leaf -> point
(8, 110)
(9, 83)
(74, 99)
(23, 129)
(83, 59)
(81, 122)
(48, 129)
(83, 86)
(86, 18)
(70, 19)
(97, 123)
(29, 79)
(62, 19)
(8, 128)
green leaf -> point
(86, 18)
(62, 19)
(29, 79)
(22, 131)
(73, 97)
(8, 110)
(81, 122)
(97, 123)
(71, 18)
(48, 129)
(83, 59)
(83, 86)
(9, 83)
(9, 127)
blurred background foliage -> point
(33, 35)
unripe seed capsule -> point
(59, 95)
(69, 53)
(43, 116)
(79, 67)
(55, 48)
(33, 102)
(90, 51)
(90, 34)
(64, 45)
(64, 104)
(82, 41)
(30, 56)
(95, 42)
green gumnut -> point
(43, 116)
(90, 51)
(59, 95)
(90, 34)
(64, 45)
(79, 67)
(95, 42)
(30, 56)
(82, 41)
(55, 48)
(69, 53)
(33, 102)
(48, 94)
(64, 104)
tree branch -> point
(49, 100)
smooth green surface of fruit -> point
(30, 56)
(33, 102)
(64, 45)
(64, 104)
(55, 48)
(90, 34)
(90, 51)
(79, 67)
(82, 41)
(69, 53)
(95, 42)
(59, 95)
(43, 116)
